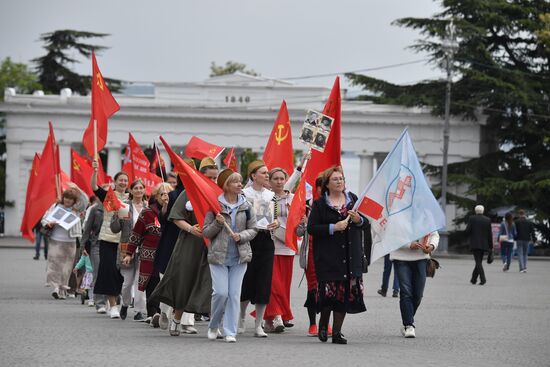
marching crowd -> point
(152, 255)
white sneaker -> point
(241, 329)
(163, 322)
(174, 328)
(230, 339)
(114, 313)
(212, 334)
(188, 329)
(278, 325)
(408, 332)
(259, 333)
(102, 310)
(91, 303)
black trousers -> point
(153, 305)
(478, 269)
(256, 286)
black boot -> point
(338, 338)
(123, 312)
(322, 334)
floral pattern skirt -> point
(341, 295)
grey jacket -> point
(219, 236)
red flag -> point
(102, 176)
(111, 202)
(64, 180)
(332, 154)
(81, 172)
(158, 166)
(27, 228)
(103, 106)
(278, 151)
(296, 212)
(137, 166)
(230, 160)
(370, 208)
(201, 191)
(44, 190)
(199, 149)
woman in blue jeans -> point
(508, 230)
(409, 263)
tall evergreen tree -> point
(53, 68)
(501, 69)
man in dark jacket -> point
(526, 233)
(481, 240)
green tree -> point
(53, 68)
(502, 69)
(17, 76)
(230, 68)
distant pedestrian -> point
(481, 240)
(525, 234)
(507, 236)
(39, 236)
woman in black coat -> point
(338, 254)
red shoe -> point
(312, 330)
(329, 331)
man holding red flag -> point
(103, 107)
(278, 151)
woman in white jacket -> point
(410, 266)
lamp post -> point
(449, 47)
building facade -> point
(232, 111)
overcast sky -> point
(176, 40)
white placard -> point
(66, 219)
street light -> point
(449, 47)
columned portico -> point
(114, 158)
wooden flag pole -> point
(228, 228)
(96, 153)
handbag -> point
(503, 238)
(431, 266)
(46, 231)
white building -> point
(233, 111)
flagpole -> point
(160, 165)
(96, 154)
(228, 228)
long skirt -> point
(257, 279)
(341, 296)
(186, 284)
(60, 263)
(109, 280)
(279, 301)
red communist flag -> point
(201, 191)
(370, 208)
(296, 212)
(137, 166)
(44, 190)
(27, 228)
(103, 106)
(81, 172)
(111, 202)
(199, 149)
(230, 160)
(278, 151)
(332, 154)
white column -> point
(16, 188)
(65, 157)
(114, 157)
(366, 169)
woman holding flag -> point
(338, 254)
(228, 254)
(109, 280)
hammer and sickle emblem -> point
(76, 166)
(99, 80)
(212, 150)
(279, 137)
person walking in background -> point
(525, 234)
(90, 234)
(386, 279)
(38, 241)
(506, 236)
(481, 240)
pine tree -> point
(501, 69)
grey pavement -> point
(503, 323)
